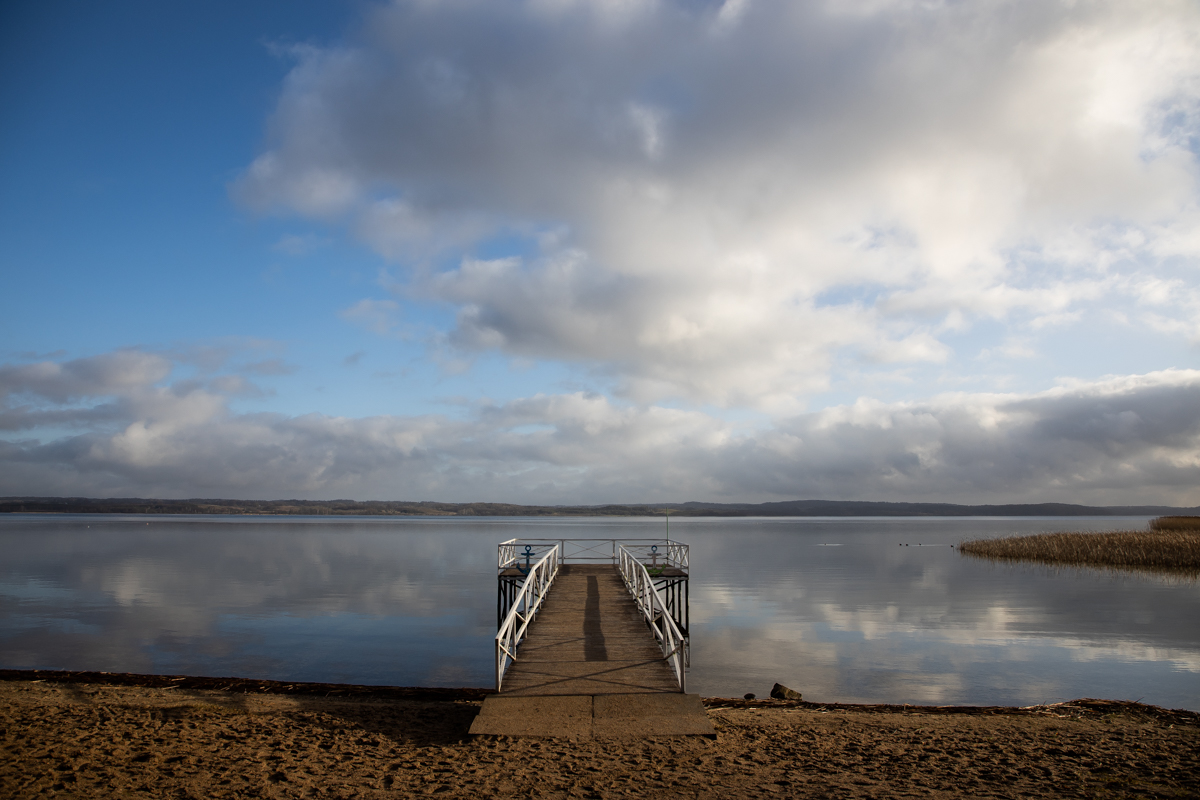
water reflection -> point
(293, 600)
(873, 620)
(888, 613)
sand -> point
(254, 739)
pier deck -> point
(589, 639)
(589, 664)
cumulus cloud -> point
(722, 200)
(115, 373)
(1132, 439)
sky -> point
(601, 251)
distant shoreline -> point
(789, 508)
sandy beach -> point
(89, 735)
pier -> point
(592, 641)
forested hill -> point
(789, 508)
(853, 508)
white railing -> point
(650, 603)
(523, 610)
(507, 555)
(678, 554)
(656, 552)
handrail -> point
(650, 603)
(665, 552)
(523, 610)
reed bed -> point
(1175, 524)
(1169, 549)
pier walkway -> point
(589, 638)
(593, 648)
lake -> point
(842, 609)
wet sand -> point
(90, 736)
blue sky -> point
(588, 251)
(125, 131)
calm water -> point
(879, 610)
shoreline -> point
(64, 735)
(349, 691)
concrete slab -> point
(556, 716)
(641, 715)
(606, 716)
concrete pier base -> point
(606, 716)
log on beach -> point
(80, 739)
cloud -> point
(115, 373)
(1121, 440)
(377, 316)
(165, 388)
(724, 203)
(213, 355)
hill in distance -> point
(787, 508)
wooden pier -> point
(589, 649)
(589, 638)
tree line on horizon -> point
(787, 508)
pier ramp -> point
(592, 649)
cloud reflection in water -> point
(292, 600)
(876, 621)
(412, 602)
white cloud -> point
(114, 373)
(1122, 440)
(740, 194)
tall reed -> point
(1173, 550)
(1175, 524)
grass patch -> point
(1170, 546)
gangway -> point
(591, 631)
